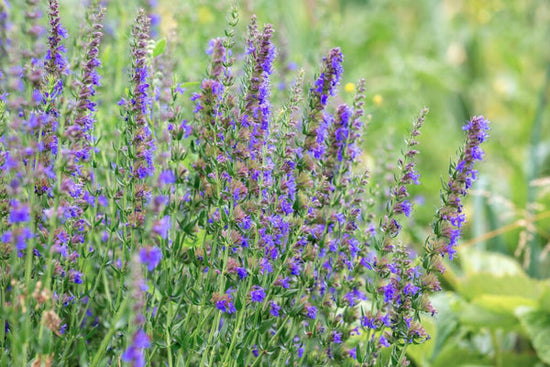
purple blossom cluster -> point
(56, 63)
(140, 104)
(286, 211)
(80, 131)
(451, 217)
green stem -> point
(496, 347)
(210, 337)
(168, 337)
(234, 338)
(112, 329)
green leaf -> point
(545, 297)
(265, 325)
(446, 319)
(477, 316)
(517, 285)
(160, 46)
(453, 355)
(537, 325)
(189, 84)
(359, 353)
(504, 304)
(420, 353)
(515, 359)
(476, 261)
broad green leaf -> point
(446, 319)
(477, 316)
(160, 46)
(504, 304)
(454, 355)
(545, 297)
(477, 261)
(515, 360)
(517, 285)
(537, 325)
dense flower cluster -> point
(237, 225)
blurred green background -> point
(457, 57)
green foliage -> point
(497, 316)
(159, 48)
(537, 325)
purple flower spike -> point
(451, 214)
(167, 177)
(56, 63)
(20, 213)
(135, 354)
(162, 227)
(151, 257)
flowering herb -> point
(237, 223)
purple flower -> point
(389, 292)
(167, 177)
(274, 309)
(150, 256)
(266, 266)
(257, 294)
(328, 80)
(75, 276)
(142, 137)
(162, 227)
(179, 89)
(80, 128)
(19, 213)
(226, 305)
(135, 354)
(283, 282)
(57, 63)
(368, 322)
(411, 289)
(311, 312)
(21, 240)
(403, 207)
(384, 342)
(7, 236)
(241, 272)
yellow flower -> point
(349, 88)
(378, 99)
